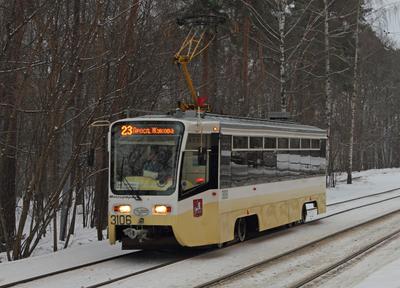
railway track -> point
(42, 276)
(304, 282)
(90, 274)
(165, 262)
(246, 269)
(309, 279)
(363, 197)
(122, 277)
(359, 206)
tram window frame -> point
(292, 146)
(282, 140)
(266, 142)
(234, 144)
(255, 147)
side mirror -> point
(202, 156)
(90, 157)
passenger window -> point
(256, 142)
(239, 168)
(240, 142)
(269, 143)
(315, 144)
(225, 164)
(305, 143)
(294, 143)
(283, 143)
(323, 148)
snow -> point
(57, 261)
(86, 249)
(209, 266)
(365, 182)
(386, 277)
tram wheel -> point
(241, 229)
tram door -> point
(199, 224)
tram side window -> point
(269, 143)
(323, 148)
(315, 144)
(194, 173)
(294, 164)
(239, 168)
(280, 159)
(256, 142)
(255, 167)
(305, 162)
(282, 163)
(240, 142)
(305, 144)
(294, 143)
(283, 143)
(225, 165)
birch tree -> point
(354, 94)
(328, 95)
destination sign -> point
(129, 130)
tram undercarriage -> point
(146, 237)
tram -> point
(195, 179)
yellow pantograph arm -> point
(190, 48)
(189, 82)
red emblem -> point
(197, 207)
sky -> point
(386, 18)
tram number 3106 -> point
(121, 219)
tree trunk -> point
(282, 22)
(101, 190)
(354, 99)
(55, 241)
(10, 92)
(328, 98)
(245, 65)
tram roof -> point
(236, 122)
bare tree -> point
(354, 95)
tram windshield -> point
(144, 157)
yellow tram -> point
(195, 180)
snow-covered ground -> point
(84, 247)
(364, 183)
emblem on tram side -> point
(197, 207)
(141, 211)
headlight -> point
(161, 209)
(126, 209)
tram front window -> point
(144, 157)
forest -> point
(65, 65)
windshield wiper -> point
(136, 195)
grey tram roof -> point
(236, 122)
